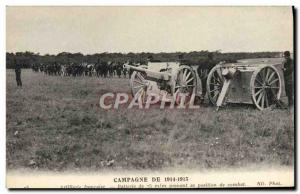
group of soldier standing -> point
(103, 70)
(100, 69)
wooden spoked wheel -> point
(138, 85)
(184, 85)
(214, 84)
(265, 87)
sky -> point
(89, 30)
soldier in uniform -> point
(203, 71)
(18, 68)
(288, 72)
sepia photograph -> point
(150, 97)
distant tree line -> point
(26, 59)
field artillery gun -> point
(167, 79)
(251, 81)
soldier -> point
(18, 73)
(288, 72)
(203, 71)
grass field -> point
(55, 123)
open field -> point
(55, 123)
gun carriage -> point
(253, 81)
(167, 79)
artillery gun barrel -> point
(134, 68)
(150, 74)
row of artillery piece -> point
(251, 81)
